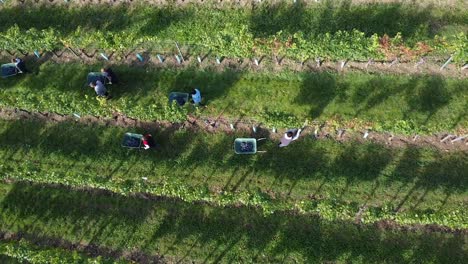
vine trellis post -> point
(447, 62)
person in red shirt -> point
(148, 141)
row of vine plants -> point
(329, 209)
(240, 43)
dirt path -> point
(429, 65)
(441, 141)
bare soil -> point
(431, 65)
(440, 141)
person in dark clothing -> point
(110, 75)
(20, 65)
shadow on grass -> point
(137, 84)
(242, 234)
(196, 157)
(118, 18)
(414, 22)
(383, 97)
(37, 204)
(319, 90)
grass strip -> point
(25, 252)
(408, 185)
(403, 104)
(330, 30)
(196, 232)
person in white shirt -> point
(289, 137)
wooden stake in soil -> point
(343, 64)
(459, 138)
(316, 133)
(445, 138)
(71, 51)
(393, 62)
(366, 134)
(447, 62)
(180, 53)
(319, 62)
(160, 58)
(104, 56)
(179, 61)
(340, 133)
(139, 57)
(256, 62)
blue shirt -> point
(100, 88)
(196, 97)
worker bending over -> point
(289, 137)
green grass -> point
(404, 104)
(182, 231)
(410, 185)
(24, 251)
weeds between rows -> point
(402, 104)
(185, 232)
(411, 185)
(328, 31)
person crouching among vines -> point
(99, 88)
(148, 141)
(289, 137)
(110, 75)
(196, 97)
(20, 65)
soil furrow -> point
(441, 141)
(430, 65)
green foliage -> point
(281, 119)
(226, 33)
(459, 48)
(455, 45)
(174, 169)
(30, 40)
(231, 234)
(427, 103)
